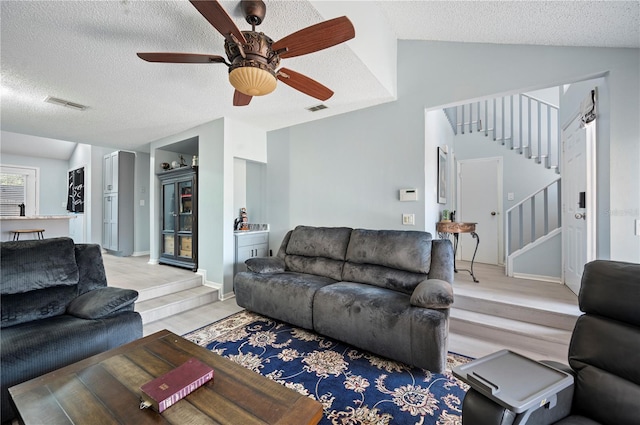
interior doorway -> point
(480, 201)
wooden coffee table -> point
(105, 389)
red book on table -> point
(164, 391)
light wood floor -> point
(136, 273)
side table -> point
(455, 227)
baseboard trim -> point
(228, 296)
(552, 279)
(215, 285)
(140, 253)
(153, 261)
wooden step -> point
(553, 314)
(549, 342)
(166, 288)
(161, 307)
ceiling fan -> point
(254, 57)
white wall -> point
(346, 170)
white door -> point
(480, 189)
(577, 216)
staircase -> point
(520, 122)
(528, 126)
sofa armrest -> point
(102, 302)
(265, 265)
(432, 293)
(441, 260)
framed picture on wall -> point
(442, 176)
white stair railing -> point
(521, 122)
(542, 213)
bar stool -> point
(18, 232)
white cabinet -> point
(110, 169)
(110, 222)
(250, 245)
(118, 202)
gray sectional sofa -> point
(57, 309)
(384, 291)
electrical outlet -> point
(142, 202)
(510, 196)
(409, 219)
(637, 227)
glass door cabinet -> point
(179, 233)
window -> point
(18, 185)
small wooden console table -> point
(445, 227)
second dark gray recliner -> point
(603, 357)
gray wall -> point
(346, 170)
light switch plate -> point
(637, 227)
(510, 196)
(409, 219)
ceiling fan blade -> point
(304, 84)
(241, 99)
(316, 37)
(213, 12)
(180, 57)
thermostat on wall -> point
(408, 195)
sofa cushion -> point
(36, 264)
(102, 302)
(328, 242)
(384, 277)
(433, 293)
(383, 322)
(404, 250)
(286, 296)
(90, 268)
(36, 305)
(603, 352)
(35, 348)
(596, 296)
(315, 266)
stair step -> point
(534, 338)
(177, 302)
(169, 288)
(544, 316)
(479, 347)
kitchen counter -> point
(54, 225)
(40, 217)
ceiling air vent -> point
(65, 103)
(317, 108)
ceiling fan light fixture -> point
(252, 81)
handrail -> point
(531, 199)
(532, 195)
(540, 100)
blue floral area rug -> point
(354, 386)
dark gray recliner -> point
(57, 309)
(603, 358)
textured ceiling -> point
(85, 52)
